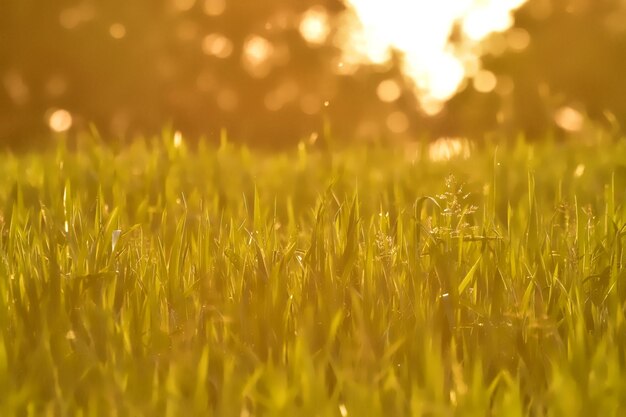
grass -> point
(156, 280)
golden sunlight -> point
(421, 33)
(444, 149)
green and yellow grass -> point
(159, 281)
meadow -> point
(163, 279)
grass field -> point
(369, 281)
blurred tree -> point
(270, 73)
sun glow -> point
(421, 31)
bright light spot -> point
(70, 335)
(326, 103)
(217, 45)
(388, 91)
(518, 39)
(568, 118)
(579, 171)
(314, 26)
(60, 120)
(117, 31)
(178, 139)
(214, 7)
(444, 149)
(257, 52)
(485, 81)
(453, 400)
(421, 31)
(443, 83)
(488, 16)
(397, 122)
(343, 410)
(183, 5)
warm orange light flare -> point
(217, 45)
(60, 120)
(445, 149)
(421, 31)
(388, 91)
(485, 81)
(569, 119)
(117, 31)
(257, 52)
(314, 26)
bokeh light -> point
(257, 52)
(569, 119)
(117, 31)
(518, 39)
(388, 91)
(59, 120)
(485, 81)
(453, 68)
(314, 25)
(217, 45)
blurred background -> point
(275, 72)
